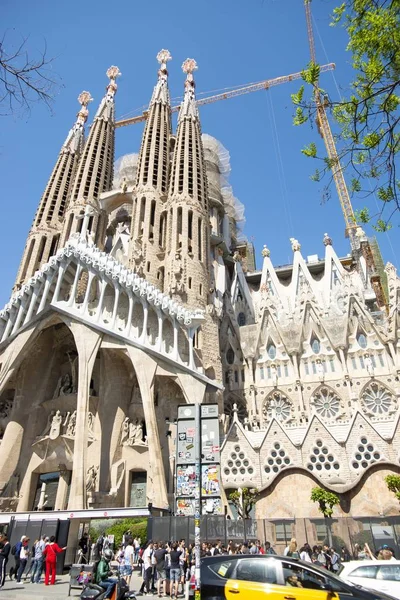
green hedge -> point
(117, 528)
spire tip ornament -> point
(265, 251)
(327, 240)
(84, 98)
(189, 66)
(113, 72)
(163, 57)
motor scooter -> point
(92, 591)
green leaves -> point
(367, 132)
(297, 98)
(355, 185)
(311, 74)
(310, 150)
(393, 484)
(362, 215)
(299, 117)
(326, 500)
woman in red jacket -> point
(50, 553)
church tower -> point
(149, 223)
(95, 170)
(44, 236)
(187, 260)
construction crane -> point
(246, 89)
(358, 242)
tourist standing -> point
(291, 550)
(4, 554)
(23, 559)
(50, 554)
(175, 570)
(38, 560)
(128, 561)
(159, 556)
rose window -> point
(326, 403)
(277, 406)
(377, 399)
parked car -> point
(258, 577)
(382, 575)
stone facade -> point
(152, 300)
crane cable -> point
(281, 170)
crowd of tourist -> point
(43, 554)
(165, 566)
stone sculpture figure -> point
(55, 428)
(132, 433)
(64, 385)
(90, 421)
(71, 425)
(91, 478)
(125, 431)
(369, 365)
(73, 361)
(320, 370)
(5, 408)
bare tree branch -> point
(25, 79)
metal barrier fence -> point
(339, 532)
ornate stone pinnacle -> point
(327, 240)
(163, 57)
(189, 66)
(84, 98)
(296, 246)
(113, 73)
(265, 252)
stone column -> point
(62, 490)
(145, 367)
(87, 343)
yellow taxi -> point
(256, 577)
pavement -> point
(59, 591)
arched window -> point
(315, 346)
(230, 356)
(241, 319)
(362, 340)
(271, 350)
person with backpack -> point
(4, 554)
(15, 551)
(50, 553)
(23, 559)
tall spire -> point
(43, 238)
(187, 261)
(153, 162)
(148, 232)
(188, 171)
(95, 171)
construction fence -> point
(339, 532)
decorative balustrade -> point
(93, 287)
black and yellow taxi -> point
(262, 577)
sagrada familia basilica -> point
(135, 295)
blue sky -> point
(234, 43)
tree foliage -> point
(244, 501)
(393, 484)
(369, 115)
(26, 76)
(117, 527)
(326, 500)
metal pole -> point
(197, 501)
